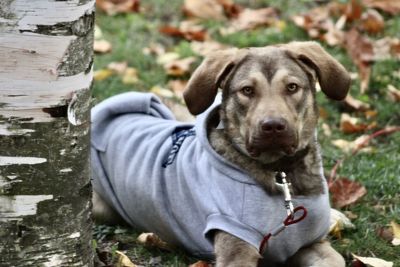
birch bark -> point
(46, 59)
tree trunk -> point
(46, 61)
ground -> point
(378, 170)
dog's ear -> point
(332, 76)
(203, 85)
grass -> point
(378, 171)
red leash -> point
(290, 219)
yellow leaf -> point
(374, 262)
(102, 74)
(123, 260)
(162, 92)
(339, 222)
(396, 233)
(130, 76)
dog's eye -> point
(292, 87)
(248, 91)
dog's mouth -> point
(285, 146)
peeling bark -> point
(45, 79)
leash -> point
(291, 218)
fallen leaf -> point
(389, 6)
(179, 67)
(162, 92)
(189, 30)
(345, 192)
(118, 67)
(393, 93)
(374, 262)
(372, 21)
(319, 24)
(386, 48)
(338, 223)
(167, 58)
(154, 49)
(396, 233)
(251, 18)
(200, 264)
(204, 9)
(370, 113)
(351, 146)
(350, 124)
(355, 104)
(326, 129)
(102, 46)
(385, 233)
(100, 75)
(360, 50)
(206, 47)
(152, 240)
(353, 10)
(130, 76)
(112, 7)
(123, 260)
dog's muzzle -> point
(273, 135)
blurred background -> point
(155, 45)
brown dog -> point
(269, 116)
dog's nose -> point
(274, 125)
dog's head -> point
(268, 105)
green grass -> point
(379, 171)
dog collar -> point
(291, 218)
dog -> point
(216, 193)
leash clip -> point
(285, 188)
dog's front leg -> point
(320, 254)
(231, 251)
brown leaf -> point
(251, 18)
(200, 264)
(152, 240)
(188, 30)
(385, 233)
(372, 21)
(231, 9)
(374, 262)
(353, 10)
(389, 6)
(112, 7)
(102, 46)
(207, 47)
(350, 124)
(179, 67)
(355, 104)
(386, 48)
(204, 9)
(361, 51)
(345, 192)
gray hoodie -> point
(163, 176)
